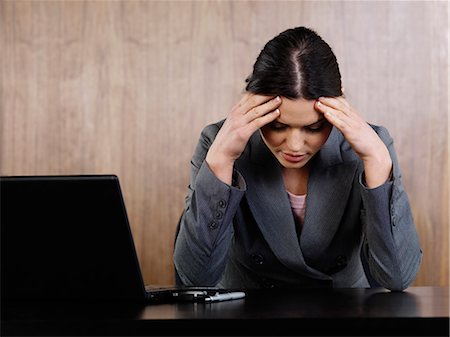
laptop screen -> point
(66, 237)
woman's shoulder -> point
(210, 131)
(383, 133)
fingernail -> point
(318, 103)
(277, 111)
(278, 98)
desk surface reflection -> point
(419, 311)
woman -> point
(294, 188)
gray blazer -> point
(244, 235)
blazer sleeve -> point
(391, 246)
(206, 230)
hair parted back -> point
(296, 64)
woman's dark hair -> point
(296, 64)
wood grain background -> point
(125, 87)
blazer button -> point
(222, 204)
(258, 259)
(268, 284)
(213, 225)
(218, 214)
(341, 261)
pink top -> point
(298, 205)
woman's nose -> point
(295, 140)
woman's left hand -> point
(363, 139)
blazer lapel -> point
(329, 186)
(328, 192)
(269, 203)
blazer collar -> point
(328, 190)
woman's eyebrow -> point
(313, 124)
(278, 122)
(306, 126)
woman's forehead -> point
(299, 111)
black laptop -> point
(68, 237)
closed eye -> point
(317, 127)
(277, 126)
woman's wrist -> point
(221, 166)
(377, 169)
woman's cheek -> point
(274, 139)
(320, 139)
(317, 141)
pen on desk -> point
(225, 297)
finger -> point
(336, 104)
(334, 116)
(336, 121)
(243, 99)
(254, 101)
(263, 109)
(264, 120)
(343, 101)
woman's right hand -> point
(247, 116)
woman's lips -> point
(293, 158)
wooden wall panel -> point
(125, 87)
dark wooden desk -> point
(419, 311)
